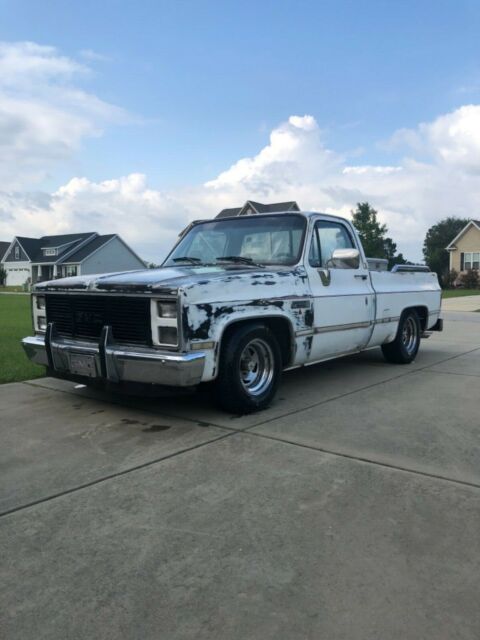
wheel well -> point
(422, 313)
(280, 327)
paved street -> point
(348, 510)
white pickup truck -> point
(237, 301)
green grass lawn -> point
(15, 324)
(458, 293)
(10, 289)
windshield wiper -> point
(191, 259)
(239, 259)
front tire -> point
(404, 348)
(250, 370)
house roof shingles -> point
(88, 248)
(34, 246)
(3, 248)
(259, 207)
(274, 207)
(70, 239)
(228, 213)
(29, 245)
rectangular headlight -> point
(41, 323)
(167, 335)
(167, 309)
(40, 302)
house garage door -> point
(16, 276)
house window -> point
(49, 252)
(71, 270)
(470, 260)
(17, 252)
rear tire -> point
(250, 369)
(404, 348)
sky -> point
(138, 117)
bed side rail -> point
(405, 268)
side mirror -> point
(345, 259)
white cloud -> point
(147, 218)
(452, 138)
(367, 168)
(294, 155)
(44, 115)
(438, 176)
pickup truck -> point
(237, 301)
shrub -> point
(3, 276)
(450, 278)
(470, 279)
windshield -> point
(250, 239)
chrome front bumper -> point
(115, 363)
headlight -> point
(167, 335)
(164, 314)
(167, 309)
(39, 314)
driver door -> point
(343, 296)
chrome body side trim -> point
(343, 327)
(387, 320)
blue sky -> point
(203, 84)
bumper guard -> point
(113, 362)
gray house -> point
(50, 257)
(250, 208)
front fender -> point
(203, 325)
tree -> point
(372, 233)
(3, 276)
(438, 237)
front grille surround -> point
(83, 316)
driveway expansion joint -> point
(365, 388)
(111, 476)
(362, 459)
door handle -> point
(362, 277)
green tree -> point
(3, 276)
(373, 235)
(438, 237)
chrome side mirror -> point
(345, 259)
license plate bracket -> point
(83, 365)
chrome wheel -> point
(410, 335)
(256, 367)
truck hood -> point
(193, 281)
(141, 281)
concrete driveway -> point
(348, 510)
(465, 303)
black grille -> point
(84, 316)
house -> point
(3, 249)
(50, 257)
(464, 249)
(250, 208)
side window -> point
(332, 235)
(17, 252)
